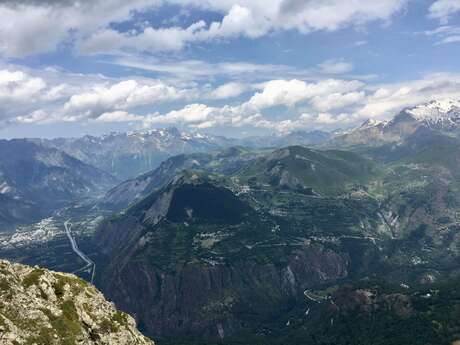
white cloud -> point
(229, 90)
(89, 22)
(335, 14)
(336, 66)
(120, 96)
(17, 86)
(149, 40)
(119, 116)
(326, 101)
(22, 23)
(288, 93)
(199, 69)
(31, 97)
(445, 34)
(327, 119)
(291, 92)
(192, 114)
(386, 100)
(451, 39)
(239, 21)
(19, 93)
(338, 100)
(444, 9)
(35, 117)
(306, 16)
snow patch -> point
(444, 113)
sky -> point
(227, 67)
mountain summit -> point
(438, 114)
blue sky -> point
(69, 68)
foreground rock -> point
(38, 306)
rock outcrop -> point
(38, 306)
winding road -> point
(90, 265)
(313, 297)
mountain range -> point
(240, 242)
(129, 154)
(229, 245)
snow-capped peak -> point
(441, 114)
(435, 109)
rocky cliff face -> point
(218, 300)
(43, 307)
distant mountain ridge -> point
(129, 154)
(126, 155)
(440, 115)
(227, 161)
(35, 180)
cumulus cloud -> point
(291, 92)
(28, 97)
(288, 93)
(17, 86)
(331, 103)
(53, 97)
(190, 114)
(119, 116)
(90, 22)
(149, 40)
(385, 100)
(56, 22)
(331, 15)
(230, 90)
(307, 16)
(253, 19)
(18, 91)
(338, 100)
(35, 117)
(120, 96)
(239, 21)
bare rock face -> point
(216, 301)
(38, 306)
